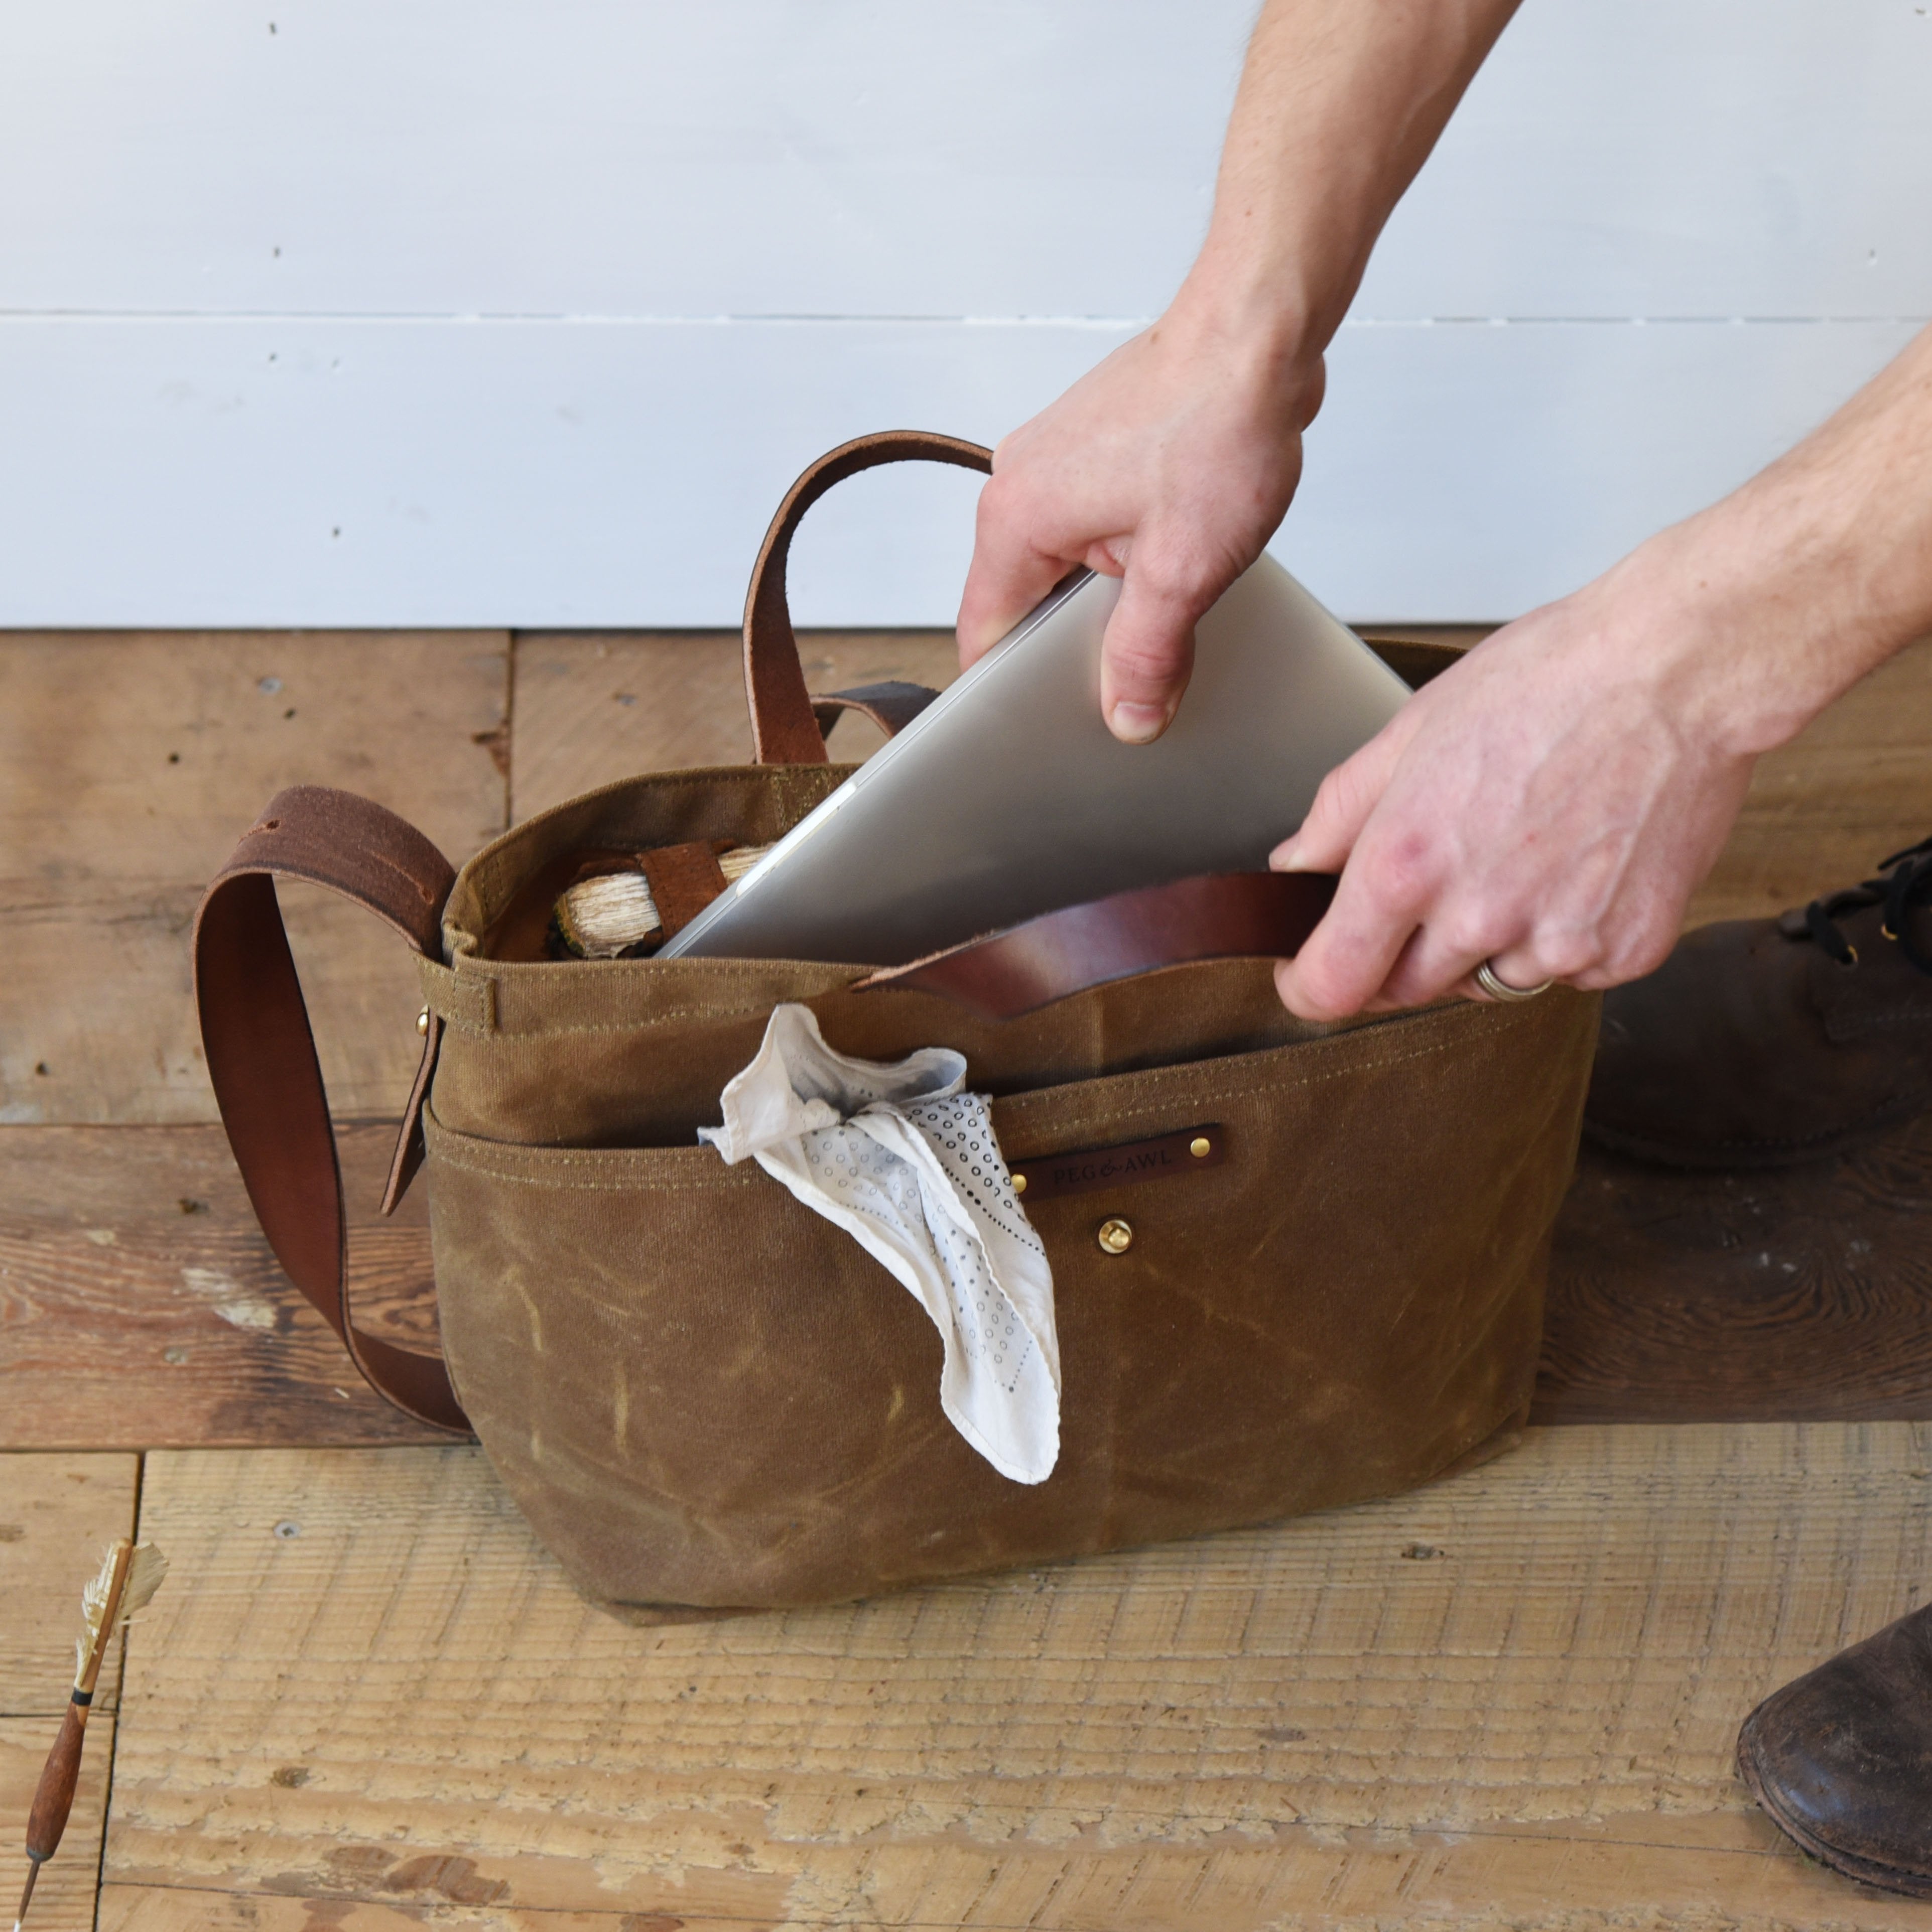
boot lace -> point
(1904, 882)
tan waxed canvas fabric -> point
(700, 1393)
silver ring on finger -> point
(1498, 988)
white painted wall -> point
(396, 311)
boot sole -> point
(1846, 1864)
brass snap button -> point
(422, 1022)
(1200, 1147)
(1115, 1236)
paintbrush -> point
(130, 1575)
(603, 917)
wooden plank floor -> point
(57, 1513)
(1506, 1701)
(129, 767)
(139, 1305)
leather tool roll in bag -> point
(699, 1392)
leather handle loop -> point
(784, 731)
(261, 1050)
(1212, 916)
(892, 706)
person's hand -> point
(1548, 805)
(1170, 465)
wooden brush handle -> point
(54, 1798)
(110, 1621)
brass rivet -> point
(422, 1022)
(1019, 1183)
(1115, 1236)
(1200, 1147)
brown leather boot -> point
(1841, 1759)
(1762, 1042)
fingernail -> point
(1282, 859)
(1137, 723)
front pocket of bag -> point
(702, 1392)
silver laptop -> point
(1008, 797)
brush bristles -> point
(601, 917)
(93, 1608)
(145, 1571)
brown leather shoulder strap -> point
(1215, 915)
(261, 1058)
(784, 731)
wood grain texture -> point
(58, 1515)
(1507, 1700)
(64, 1896)
(131, 1908)
(1803, 1293)
(129, 767)
(130, 1320)
(592, 708)
(140, 1304)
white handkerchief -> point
(907, 1166)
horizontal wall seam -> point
(420, 319)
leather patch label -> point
(1190, 1151)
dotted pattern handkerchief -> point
(907, 1164)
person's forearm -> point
(1171, 465)
(1774, 600)
(1340, 102)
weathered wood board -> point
(140, 1305)
(129, 764)
(64, 1895)
(128, 1908)
(1507, 1700)
(1804, 1292)
(58, 1515)
(179, 1329)
(592, 708)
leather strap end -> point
(891, 705)
(412, 1150)
(1214, 916)
(683, 880)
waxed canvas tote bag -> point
(1294, 1266)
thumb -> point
(1347, 795)
(1147, 657)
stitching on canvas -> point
(603, 1160)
